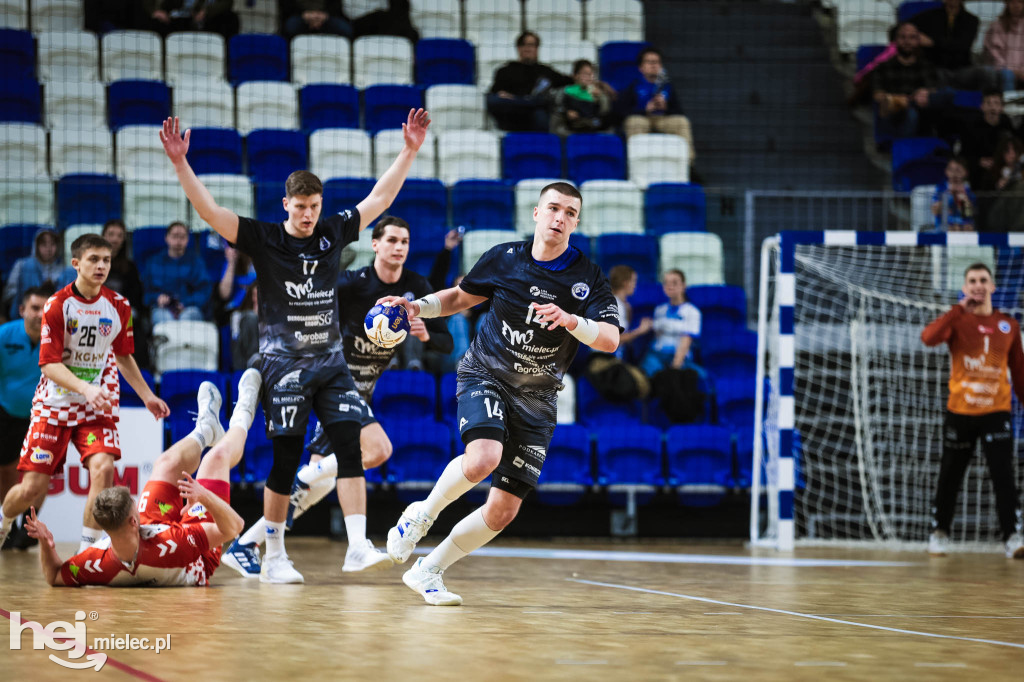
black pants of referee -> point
(960, 433)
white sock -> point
(328, 466)
(255, 535)
(89, 536)
(452, 485)
(202, 434)
(275, 539)
(355, 526)
(241, 417)
(5, 523)
(469, 534)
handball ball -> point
(386, 325)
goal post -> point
(850, 403)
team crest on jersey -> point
(106, 326)
(1004, 326)
(72, 325)
(580, 290)
(325, 243)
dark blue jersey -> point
(358, 291)
(511, 345)
(296, 278)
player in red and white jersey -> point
(86, 338)
(162, 541)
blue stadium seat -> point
(568, 468)
(268, 201)
(531, 155)
(699, 455)
(424, 245)
(744, 439)
(967, 99)
(215, 150)
(581, 242)
(129, 398)
(675, 207)
(275, 154)
(145, 242)
(648, 295)
(87, 198)
(387, 106)
(137, 102)
(483, 204)
(445, 60)
(729, 356)
(639, 251)
(595, 157)
(21, 102)
(211, 251)
(178, 389)
(327, 105)
(723, 307)
(735, 398)
(422, 203)
(918, 161)
(17, 53)
(257, 57)
(344, 193)
(595, 410)
(629, 454)
(449, 402)
(16, 241)
(422, 449)
(907, 10)
(866, 53)
(405, 394)
(618, 62)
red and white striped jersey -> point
(84, 334)
(170, 555)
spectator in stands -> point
(103, 16)
(584, 106)
(906, 86)
(676, 325)
(1004, 44)
(43, 268)
(245, 331)
(520, 96)
(124, 279)
(983, 133)
(315, 16)
(622, 279)
(167, 16)
(953, 203)
(383, 18)
(442, 264)
(1006, 213)
(947, 34)
(861, 93)
(235, 279)
(650, 103)
(177, 284)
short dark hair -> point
(992, 92)
(113, 507)
(563, 188)
(89, 241)
(44, 290)
(960, 160)
(302, 183)
(111, 223)
(580, 64)
(646, 51)
(378, 229)
(174, 224)
(979, 266)
(527, 34)
(620, 275)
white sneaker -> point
(427, 581)
(248, 395)
(1015, 546)
(938, 543)
(412, 526)
(365, 557)
(279, 570)
(208, 420)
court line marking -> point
(940, 665)
(562, 661)
(663, 557)
(123, 667)
(910, 615)
(702, 662)
(820, 664)
(794, 613)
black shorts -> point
(14, 430)
(320, 444)
(294, 386)
(527, 420)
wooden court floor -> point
(555, 610)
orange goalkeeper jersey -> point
(982, 348)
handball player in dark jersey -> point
(546, 298)
(297, 267)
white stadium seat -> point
(987, 12)
(26, 201)
(132, 55)
(14, 14)
(233, 192)
(340, 153)
(193, 55)
(267, 104)
(436, 18)
(140, 155)
(555, 21)
(561, 55)
(697, 254)
(612, 206)
(475, 243)
(81, 151)
(321, 59)
(363, 250)
(382, 60)
(527, 196)
(68, 56)
(657, 157)
(388, 143)
(566, 405)
(181, 344)
(148, 203)
(259, 16)
(465, 154)
(609, 20)
(77, 105)
(73, 232)
(455, 107)
(490, 57)
(921, 217)
(487, 19)
(23, 150)
(205, 103)
(863, 22)
(57, 15)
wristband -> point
(430, 306)
(586, 330)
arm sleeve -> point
(941, 329)
(344, 226)
(251, 237)
(558, 80)
(51, 340)
(601, 306)
(501, 76)
(124, 344)
(439, 270)
(88, 568)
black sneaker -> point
(21, 539)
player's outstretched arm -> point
(220, 219)
(48, 557)
(443, 303)
(130, 371)
(598, 335)
(386, 189)
(228, 523)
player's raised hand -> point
(415, 128)
(158, 408)
(37, 529)
(175, 145)
(410, 307)
(549, 312)
(190, 489)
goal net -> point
(849, 437)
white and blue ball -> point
(386, 325)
